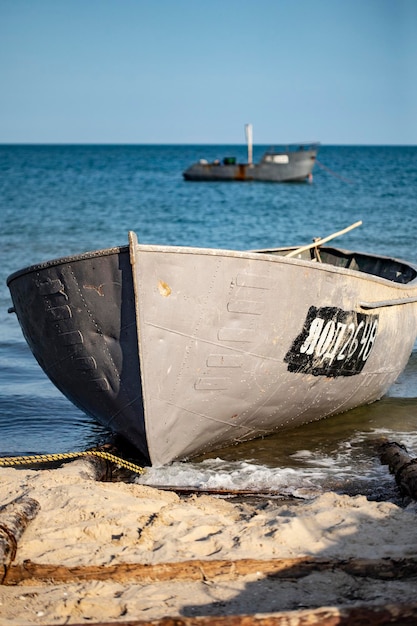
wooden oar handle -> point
(320, 242)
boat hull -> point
(189, 350)
(78, 317)
(294, 166)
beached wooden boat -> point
(185, 350)
(292, 163)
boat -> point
(289, 164)
(185, 350)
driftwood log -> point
(14, 518)
(400, 614)
(202, 570)
(401, 465)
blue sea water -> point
(58, 200)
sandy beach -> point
(118, 552)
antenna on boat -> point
(249, 136)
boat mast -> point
(249, 134)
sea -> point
(58, 200)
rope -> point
(327, 169)
(46, 458)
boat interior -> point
(385, 267)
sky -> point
(191, 72)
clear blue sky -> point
(188, 71)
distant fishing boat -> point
(293, 163)
(187, 350)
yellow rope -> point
(45, 458)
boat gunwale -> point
(267, 254)
(64, 260)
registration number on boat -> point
(333, 342)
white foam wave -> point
(353, 467)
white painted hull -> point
(216, 331)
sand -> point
(85, 523)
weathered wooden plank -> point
(14, 518)
(383, 569)
(402, 465)
(402, 615)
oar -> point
(320, 242)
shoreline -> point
(131, 552)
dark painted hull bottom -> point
(83, 334)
